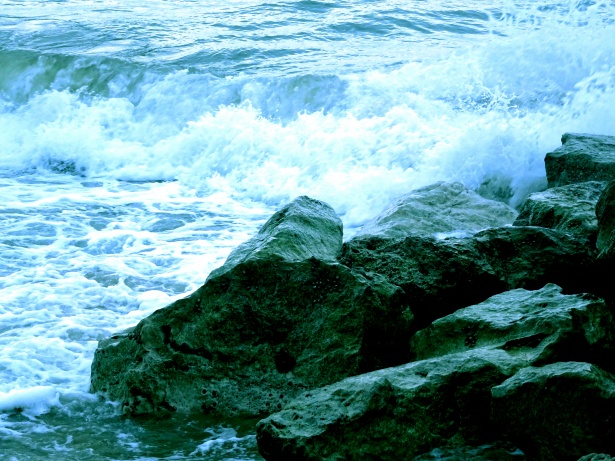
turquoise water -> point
(140, 143)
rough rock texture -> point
(605, 213)
(569, 209)
(597, 457)
(304, 228)
(441, 276)
(550, 326)
(438, 208)
(582, 157)
(258, 332)
(495, 451)
(392, 414)
(558, 412)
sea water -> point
(140, 142)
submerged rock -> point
(392, 414)
(441, 276)
(581, 158)
(570, 208)
(558, 412)
(266, 326)
(438, 208)
(543, 324)
(597, 457)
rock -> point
(258, 332)
(531, 257)
(570, 208)
(581, 158)
(597, 457)
(544, 325)
(605, 214)
(558, 412)
(438, 208)
(441, 276)
(392, 414)
(303, 229)
(495, 451)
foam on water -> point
(483, 110)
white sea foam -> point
(485, 110)
(33, 401)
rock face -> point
(605, 213)
(558, 412)
(545, 324)
(442, 398)
(582, 157)
(391, 414)
(441, 276)
(569, 209)
(438, 208)
(266, 326)
(303, 229)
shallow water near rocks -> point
(140, 143)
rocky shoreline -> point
(450, 324)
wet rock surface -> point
(542, 324)
(605, 214)
(255, 335)
(441, 276)
(391, 414)
(582, 157)
(438, 208)
(570, 209)
(557, 412)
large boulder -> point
(267, 326)
(441, 276)
(558, 412)
(545, 323)
(392, 414)
(439, 208)
(582, 157)
(570, 208)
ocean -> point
(140, 142)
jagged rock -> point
(259, 331)
(545, 324)
(392, 414)
(438, 208)
(581, 158)
(441, 276)
(569, 209)
(558, 412)
(305, 228)
(605, 213)
(597, 457)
